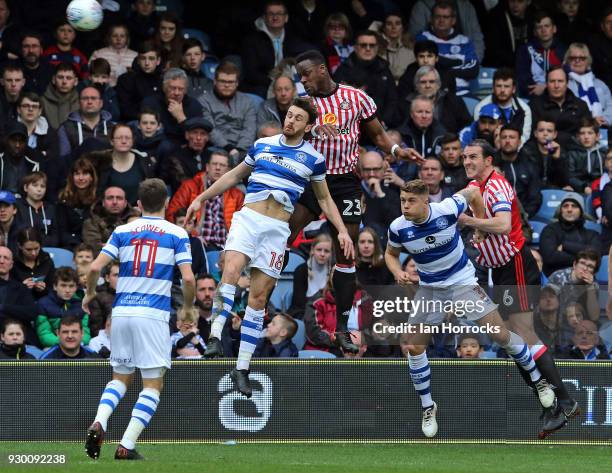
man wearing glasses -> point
(365, 70)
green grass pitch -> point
(317, 458)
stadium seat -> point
(199, 35)
(60, 257)
(34, 351)
(294, 261)
(209, 66)
(256, 99)
(300, 336)
(603, 137)
(537, 228)
(588, 205)
(315, 354)
(470, 103)
(483, 84)
(602, 274)
(279, 298)
(212, 257)
(590, 225)
(551, 199)
(605, 332)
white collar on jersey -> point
(281, 140)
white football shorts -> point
(263, 239)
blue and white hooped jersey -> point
(436, 244)
(148, 249)
(281, 170)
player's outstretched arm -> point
(225, 182)
(331, 212)
(92, 278)
(395, 266)
(379, 136)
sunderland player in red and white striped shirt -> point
(516, 276)
(343, 112)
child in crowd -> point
(586, 162)
(276, 343)
(83, 254)
(64, 52)
(187, 343)
(100, 75)
(117, 53)
(101, 342)
(82, 272)
(33, 211)
(59, 303)
(148, 132)
(12, 338)
(469, 347)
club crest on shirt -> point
(329, 119)
(345, 105)
(442, 223)
(300, 157)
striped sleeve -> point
(249, 159)
(182, 250)
(367, 106)
(500, 197)
(393, 237)
(460, 202)
(112, 246)
(319, 171)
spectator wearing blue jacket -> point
(457, 52)
(276, 343)
(489, 120)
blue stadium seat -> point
(212, 257)
(603, 137)
(199, 35)
(294, 261)
(300, 336)
(279, 294)
(209, 66)
(592, 226)
(256, 99)
(34, 351)
(315, 354)
(470, 103)
(551, 199)
(602, 274)
(537, 228)
(605, 332)
(588, 205)
(483, 84)
(60, 256)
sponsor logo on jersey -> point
(430, 239)
(329, 119)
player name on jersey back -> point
(148, 250)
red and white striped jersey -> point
(499, 196)
(345, 108)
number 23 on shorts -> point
(276, 260)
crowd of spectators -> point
(86, 116)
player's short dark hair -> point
(591, 254)
(504, 73)
(99, 66)
(152, 194)
(70, 320)
(312, 55)
(191, 43)
(426, 46)
(416, 186)
(290, 324)
(485, 146)
(308, 105)
(65, 67)
(449, 138)
(512, 127)
(65, 274)
(589, 122)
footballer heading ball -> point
(84, 15)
